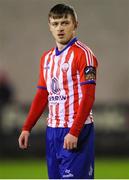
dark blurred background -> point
(24, 36)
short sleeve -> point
(41, 82)
(87, 67)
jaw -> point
(64, 39)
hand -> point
(23, 139)
(70, 142)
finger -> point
(68, 145)
(74, 145)
(65, 145)
(21, 142)
(71, 145)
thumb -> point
(64, 146)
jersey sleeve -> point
(41, 82)
(87, 66)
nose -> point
(60, 27)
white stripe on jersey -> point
(62, 105)
(45, 65)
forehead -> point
(60, 19)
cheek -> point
(71, 29)
(52, 31)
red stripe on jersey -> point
(87, 52)
(57, 106)
(75, 90)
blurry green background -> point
(24, 35)
(105, 168)
(34, 169)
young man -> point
(67, 82)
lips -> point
(61, 34)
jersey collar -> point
(70, 43)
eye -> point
(54, 24)
(65, 23)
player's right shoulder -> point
(46, 53)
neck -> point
(70, 43)
(62, 46)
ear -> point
(76, 25)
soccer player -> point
(67, 83)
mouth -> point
(61, 35)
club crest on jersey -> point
(65, 67)
(55, 85)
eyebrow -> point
(58, 16)
(58, 19)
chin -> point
(64, 41)
(61, 41)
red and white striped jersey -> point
(62, 73)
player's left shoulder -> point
(85, 47)
(82, 48)
(85, 51)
